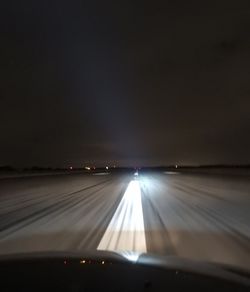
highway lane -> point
(202, 217)
(57, 213)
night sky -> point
(124, 82)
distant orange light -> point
(82, 261)
(103, 262)
(65, 262)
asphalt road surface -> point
(202, 217)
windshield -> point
(125, 127)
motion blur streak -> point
(199, 216)
(126, 229)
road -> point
(202, 217)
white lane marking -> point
(171, 172)
(101, 173)
(125, 233)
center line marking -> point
(125, 232)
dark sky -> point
(125, 82)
